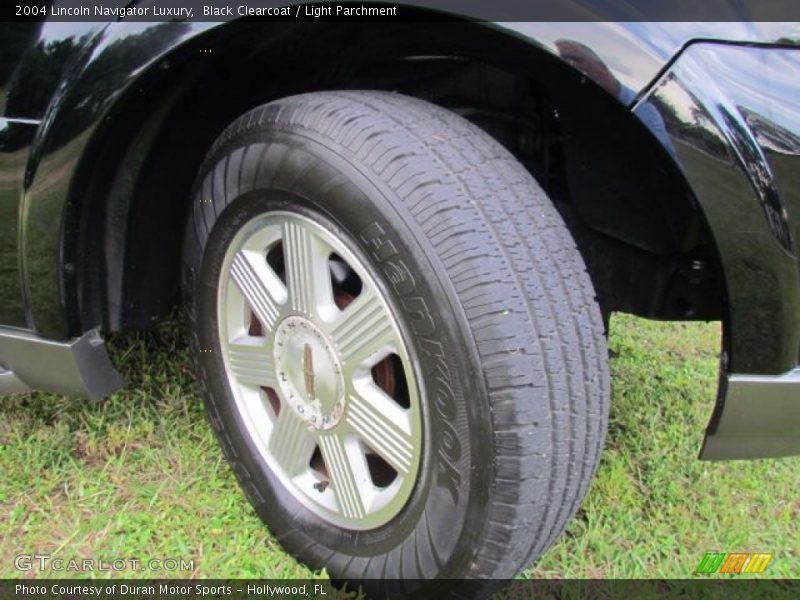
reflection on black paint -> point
(15, 38)
(14, 140)
(587, 61)
(69, 122)
(111, 69)
(33, 84)
(692, 123)
(732, 114)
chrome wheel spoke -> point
(347, 473)
(307, 271)
(291, 444)
(251, 362)
(363, 330)
(383, 425)
(254, 278)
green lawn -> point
(141, 476)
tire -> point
(496, 336)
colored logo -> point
(733, 562)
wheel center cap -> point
(309, 373)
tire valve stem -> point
(321, 486)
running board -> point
(10, 383)
(76, 367)
(758, 417)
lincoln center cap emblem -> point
(308, 371)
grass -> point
(140, 475)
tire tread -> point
(522, 285)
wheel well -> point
(644, 239)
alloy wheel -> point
(316, 361)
